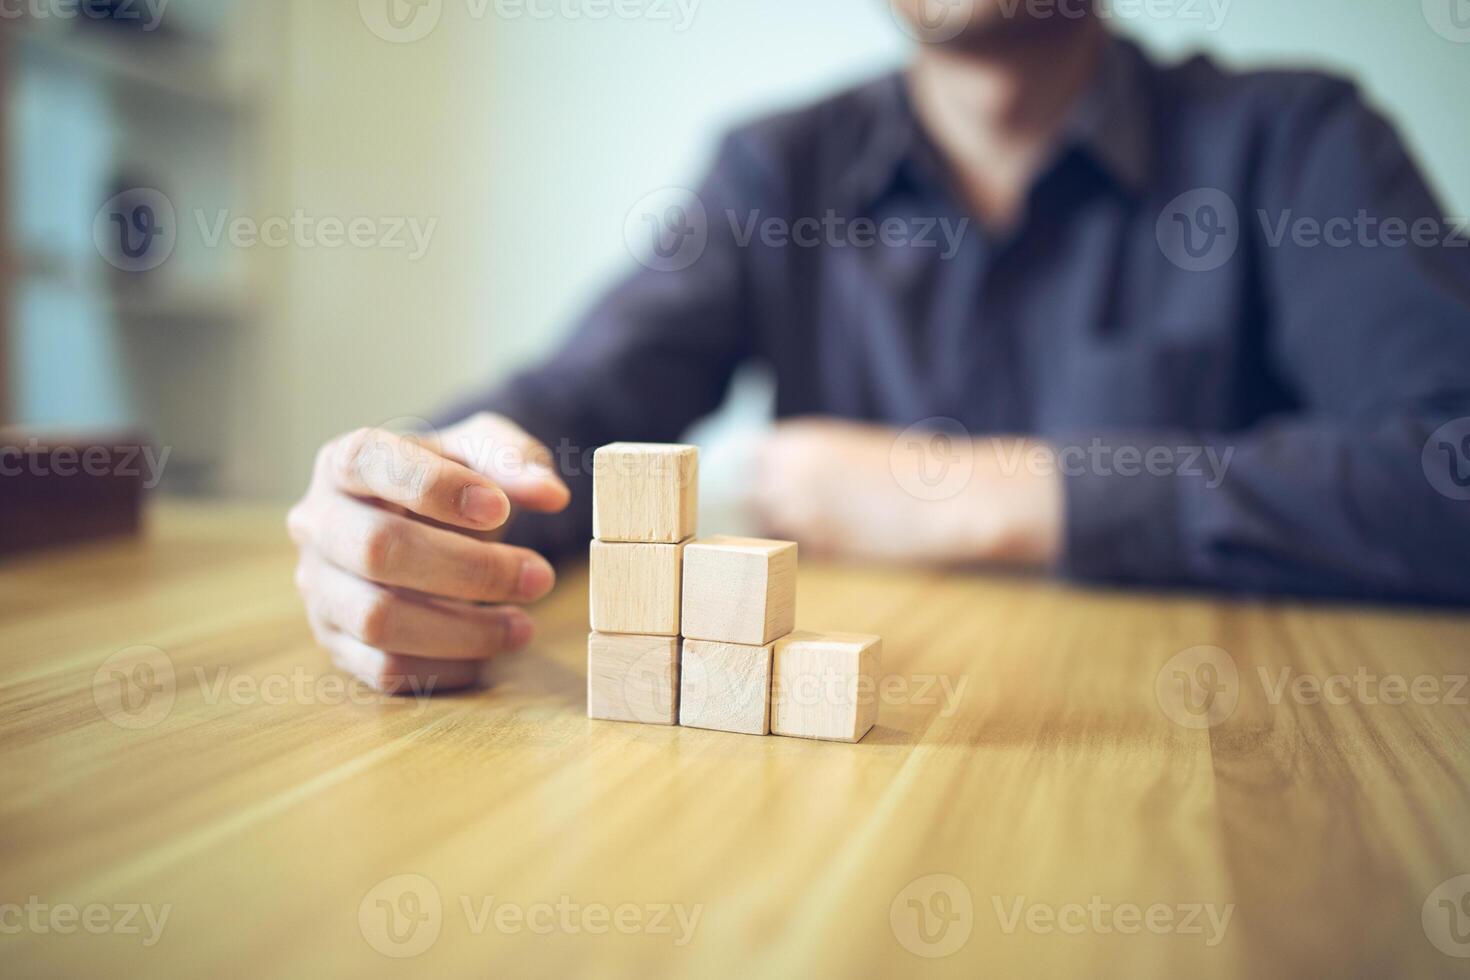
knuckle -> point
(380, 546)
(376, 619)
(303, 577)
(496, 573)
(353, 454)
(435, 482)
(297, 523)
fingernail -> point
(484, 505)
(518, 632)
(536, 578)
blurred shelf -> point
(161, 302)
(181, 305)
(173, 68)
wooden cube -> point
(739, 590)
(825, 685)
(645, 492)
(633, 678)
(634, 588)
(725, 686)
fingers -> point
(501, 450)
(393, 550)
(393, 673)
(389, 620)
(412, 473)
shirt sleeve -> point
(652, 356)
(1364, 489)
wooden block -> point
(643, 491)
(633, 678)
(825, 685)
(725, 686)
(634, 588)
(739, 590)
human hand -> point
(403, 583)
(862, 491)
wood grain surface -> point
(1061, 783)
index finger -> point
(414, 474)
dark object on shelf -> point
(140, 232)
(57, 490)
(128, 18)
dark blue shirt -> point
(1231, 303)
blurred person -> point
(1092, 276)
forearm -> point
(1301, 507)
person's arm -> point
(651, 358)
(1339, 497)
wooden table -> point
(1028, 805)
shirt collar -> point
(1110, 124)
(1111, 121)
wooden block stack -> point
(730, 602)
(644, 501)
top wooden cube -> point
(643, 491)
(739, 590)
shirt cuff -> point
(1122, 524)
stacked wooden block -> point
(699, 632)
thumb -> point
(519, 463)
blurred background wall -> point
(513, 135)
